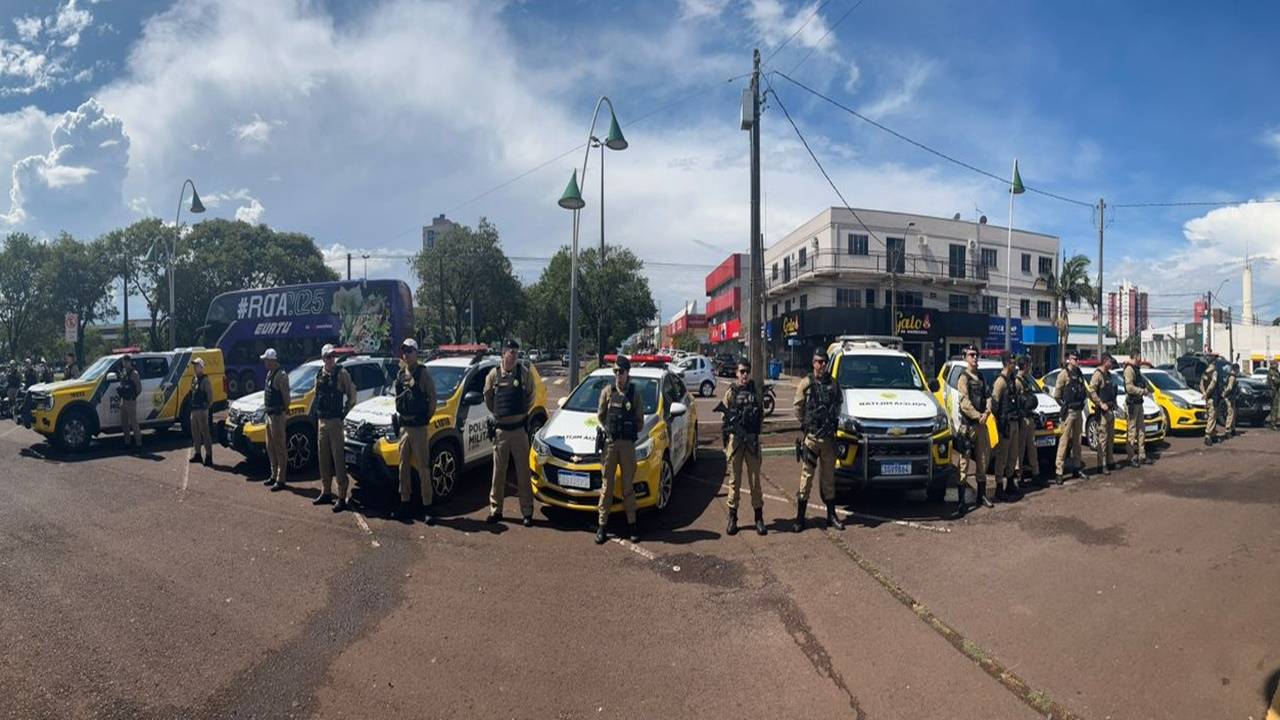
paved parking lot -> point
(151, 588)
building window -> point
(1042, 309)
(857, 244)
(1026, 263)
(958, 303)
(804, 257)
(955, 268)
(848, 297)
(989, 257)
(1046, 267)
(786, 269)
(804, 301)
(989, 305)
(1024, 308)
(906, 298)
(775, 306)
(775, 271)
(897, 254)
(871, 297)
(786, 306)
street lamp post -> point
(196, 207)
(571, 199)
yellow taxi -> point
(1182, 407)
(1151, 415)
(71, 412)
(458, 430)
(245, 427)
(566, 466)
(892, 431)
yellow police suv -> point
(566, 466)
(245, 428)
(1151, 415)
(71, 412)
(458, 431)
(892, 432)
(1047, 409)
(1182, 407)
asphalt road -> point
(146, 587)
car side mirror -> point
(678, 409)
(562, 401)
(112, 377)
(934, 385)
(472, 398)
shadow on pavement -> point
(109, 447)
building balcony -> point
(828, 265)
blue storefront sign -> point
(995, 334)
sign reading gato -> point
(913, 323)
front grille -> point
(905, 430)
(568, 456)
(899, 450)
(363, 431)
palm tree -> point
(1069, 287)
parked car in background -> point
(726, 365)
(697, 374)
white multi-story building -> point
(943, 280)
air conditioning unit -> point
(923, 239)
(973, 244)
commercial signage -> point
(71, 327)
(791, 325)
(914, 323)
(995, 334)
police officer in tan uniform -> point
(1103, 387)
(974, 411)
(1273, 384)
(1073, 394)
(744, 413)
(1006, 405)
(1135, 389)
(70, 370)
(508, 393)
(335, 396)
(276, 402)
(198, 402)
(1029, 460)
(1230, 394)
(817, 406)
(1211, 388)
(415, 406)
(129, 390)
(621, 416)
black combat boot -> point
(1208, 440)
(195, 458)
(1080, 473)
(528, 521)
(1012, 490)
(760, 529)
(732, 529)
(208, 459)
(494, 518)
(324, 499)
(633, 531)
(833, 518)
(340, 505)
(1059, 479)
(799, 524)
(1104, 468)
(601, 536)
(428, 514)
(403, 513)
(1000, 493)
(982, 495)
(961, 508)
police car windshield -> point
(446, 379)
(587, 397)
(97, 369)
(879, 372)
(303, 379)
(1165, 381)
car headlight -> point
(389, 432)
(540, 446)
(258, 417)
(850, 424)
(1179, 402)
(644, 450)
(940, 422)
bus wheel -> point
(233, 386)
(248, 383)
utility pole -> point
(1208, 336)
(755, 334)
(893, 290)
(1102, 223)
(348, 266)
(126, 303)
(440, 340)
(1231, 335)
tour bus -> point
(370, 316)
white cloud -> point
(899, 98)
(69, 23)
(697, 9)
(250, 208)
(256, 131)
(1271, 138)
(852, 77)
(251, 213)
(774, 25)
(28, 28)
(56, 176)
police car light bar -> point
(131, 349)
(344, 350)
(650, 359)
(467, 349)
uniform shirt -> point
(490, 387)
(419, 375)
(1026, 385)
(131, 378)
(1230, 387)
(71, 371)
(1209, 382)
(966, 406)
(345, 386)
(1079, 376)
(998, 390)
(1095, 384)
(281, 383)
(207, 388)
(731, 396)
(802, 392)
(1131, 386)
(637, 406)
(1273, 378)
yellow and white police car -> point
(566, 465)
(72, 412)
(892, 431)
(245, 428)
(458, 431)
(1047, 409)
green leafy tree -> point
(465, 270)
(1070, 287)
(138, 253)
(686, 341)
(79, 277)
(25, 295)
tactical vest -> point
(1131, 398)
(978, 393)
(330, 400)
(1074, 394)
(128, 388)
(821, 408)
(273, 399)
(508, 394)
(620, 414)
(30, 377)
(199, 398)
(1107, 392)
(1009, 408)
(46, 375)
(14, 379)
(412, 403)
(1027, 398)
(747, 409)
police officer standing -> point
(1135, 389)
(1006, 405)
(1211, 388)
(744, 416)
(70, 370)
(12, 385)
(974, 411)
(335, 396)
(200, 397)
(1273, 384)
(45, 371)
(415, 405)
(277, 399)
(1029, 462)
(508, 393)
(1071, 392)
(129, 390)
(1230, 394)
(817, 405)
(1103, 388)
(621, 415)
(29, 375)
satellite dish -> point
(956, 216)
(982, 220)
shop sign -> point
(914, 323)
(791, 326)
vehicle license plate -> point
(895, 468)
(1153, 427)
(352, 457)
(1046, 441)
(581, 481)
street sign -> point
(71, 327)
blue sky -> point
(358, 121)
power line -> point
(830, 30)
(1206, 203)
(797, 31)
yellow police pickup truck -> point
(458, 430)
(71, 412)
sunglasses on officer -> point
(744, 371)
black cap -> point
(1006, 357)
(1023, 361)
(1072, 354)
(511, 345)
(127, 356)
(818, 352)
(623, 363)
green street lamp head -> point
(615, 141)
(572, 197)
(196, 205)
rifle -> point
(600, 441)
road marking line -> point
(12, 429)
(365, 526)
(186, 475)
(642, 552)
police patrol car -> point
(245, 428)
(892, 432)
(72, 412)
(697, 372)
(1151, 414)
(459, 429)
(1047, 409)
(566, 464)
